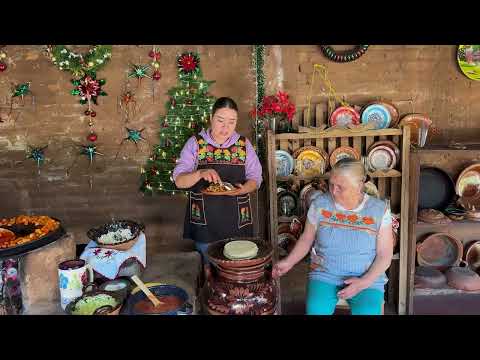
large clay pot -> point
(439, 250)
(429, 277)
(241, 287)
(472, 255)
(463, 278)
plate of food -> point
(29, 233)
(310, 161)
(378, 115)
(223, 188)
(344, 116)
(284, 163)
(343, 152)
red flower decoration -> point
(352, 218)
(326, 213)
(97, 251)
(89, 87)
(210, 148)
(275, 105)
(108, 253)
(188, 62)
(341, 217)
(368, 220)
(84, 279)
(234, 149)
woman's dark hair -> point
(224, 102)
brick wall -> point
(427, 74)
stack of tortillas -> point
(240, 250)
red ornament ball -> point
(93, 114)
(87, 112)
(156, 75)
(92, 137)
(151, 53)
(3, 66)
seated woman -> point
(351, 234)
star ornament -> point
(139, 71)
(22, 90)
(90, 151)
(134, 135)
(37, 154)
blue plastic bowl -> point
(161, 290)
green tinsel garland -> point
(80, 64)
(258, 61)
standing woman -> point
(218, 154)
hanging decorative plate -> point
(377, 114)
(310, 161)
(417, 122)
(381, 158)
(468, 58)
(287, 202)
(344, 116)
(468, 182)
(285, 163)
(343, 152)
(388, 143)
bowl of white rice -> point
(118, 234)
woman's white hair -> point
(353, 169)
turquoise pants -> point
(322, 299)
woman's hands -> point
(281, 268)
(209, 175)
(354, 286)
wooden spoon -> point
(147, 292)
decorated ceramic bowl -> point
(343, 152)
(381, 158)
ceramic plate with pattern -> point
(307, 195)
(388, 143)
(468, 182)
(284, 162)
(468, 58)
(343, 152)
(381, 158)
(344, 116)
(287, 202)
(310, 161)
(377, 114)
(416, 123)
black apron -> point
(213, 218)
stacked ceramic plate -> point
(377, 114)
(382, 155)
(284, 163)
(344, 116)
(343, 152)
(433, 216)
(419, 125)
(468, 189)
(310, 161)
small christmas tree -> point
(188, 111)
